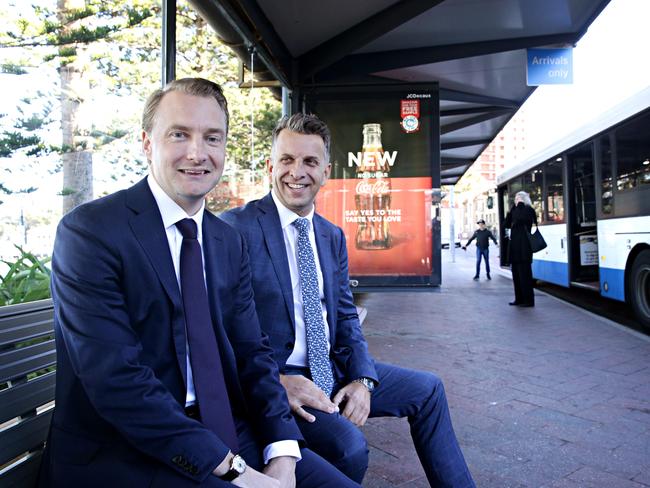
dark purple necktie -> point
(209, 382)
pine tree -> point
(110, 47)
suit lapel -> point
(274, 238)
(327, 266)
(148, 228)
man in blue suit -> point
(145, 282)
(300, 281)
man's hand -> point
(283, 469)
(357, 402)
(303, 392)
(251, 477)
(254, 479)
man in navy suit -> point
(128, 408)
(300, 166)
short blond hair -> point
(199, 87)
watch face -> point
(238, 464)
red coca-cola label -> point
(376, 187)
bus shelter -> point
(426, 85)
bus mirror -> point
(490, 202)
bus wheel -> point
(640, 287)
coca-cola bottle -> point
(372, 196)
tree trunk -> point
(77, 162)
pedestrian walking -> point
(482, 236)
(520, 221)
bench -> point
(27, 378)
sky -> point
(611, 62)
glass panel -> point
(74, 84)
(584, 189)
(554, 191)
(513, 187)
(199, 54)
(606, 186)
(532, 184)
(633, 152)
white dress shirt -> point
(299, 355)
(171, 213)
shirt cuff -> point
(282, 448)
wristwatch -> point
(237, 468)
(367, 382)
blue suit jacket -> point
(121, 350)
(259, 223)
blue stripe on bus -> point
(612, 280)
(551, 271)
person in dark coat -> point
(520, 221)
(482, 236)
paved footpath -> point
(542, 397)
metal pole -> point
(286, 101)
(168, 41)
(452, 226)
(251, 50)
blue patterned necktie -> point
(317, 350)
(207, 371)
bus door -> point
(583, 240)
(504, 234)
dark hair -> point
(199, 87)
(302, 123)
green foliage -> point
(11, 141)
(12, 69)
(27, 279)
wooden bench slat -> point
(24, 332)
(17, 363)
(34, 317)
(23, 398)
(27, 307)
(23, 475)
(20, 323)
(27, 435)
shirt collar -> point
(170, 211)
(287, 217)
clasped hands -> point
(302, 392)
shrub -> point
(27, 279)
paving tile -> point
(563, 483)
(590, 477)
(643, 477)
(395, 470)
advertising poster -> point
(384, 152)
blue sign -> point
(549, 67)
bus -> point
(591, 193)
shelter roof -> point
(474, 49)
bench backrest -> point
(27, 363)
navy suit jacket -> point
(259, 223)
(121, 350)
